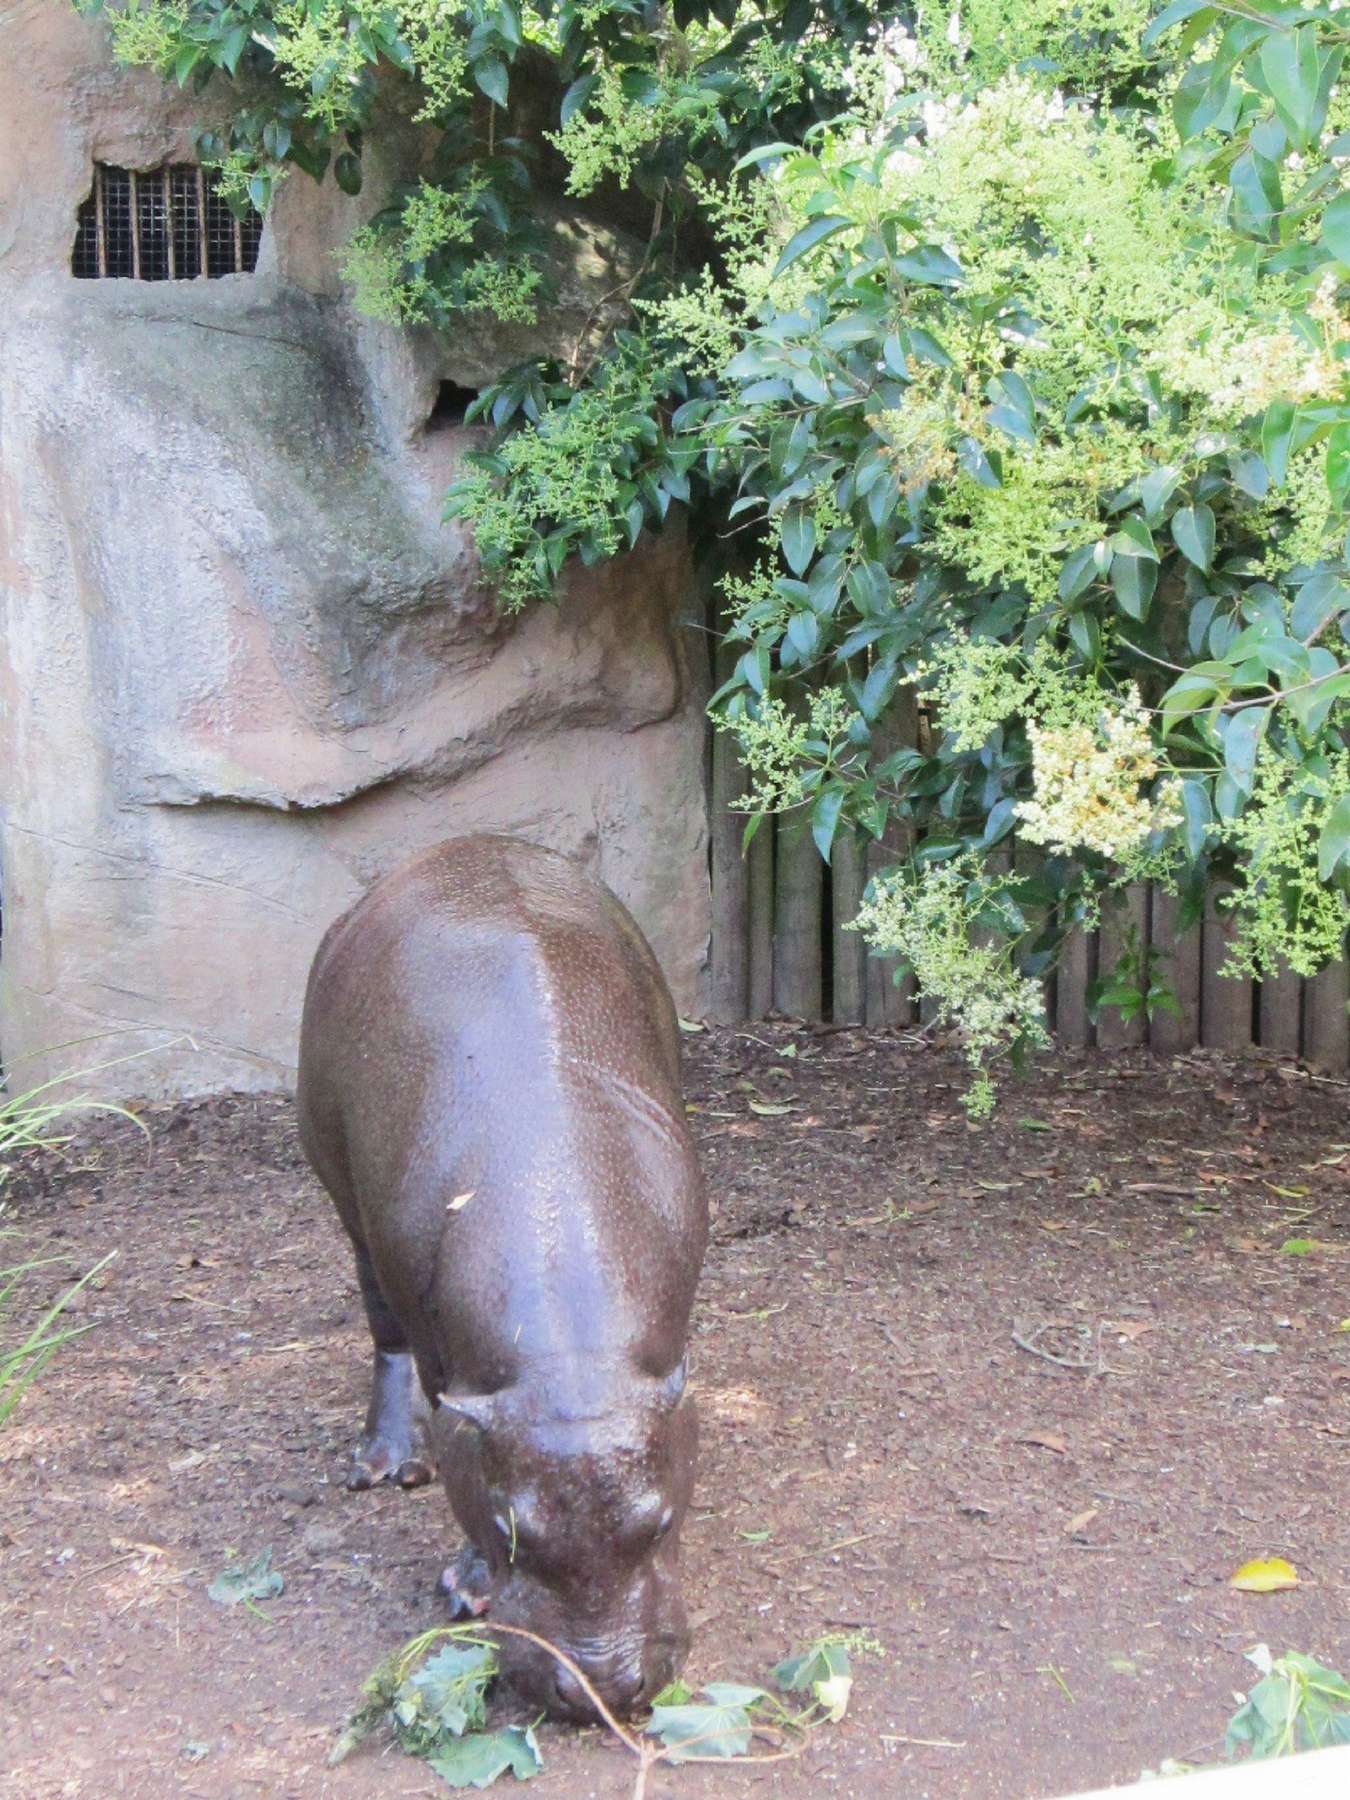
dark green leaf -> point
(825, 818)
(1277, 430)
(805, 240)
(1242, 733)
(1193, 534)
(1134, 579)
(1336, 228)
(930, 265)
(1078, 572)
(492, 77)
(1175, 14)
(1199, 814)
(1334, 845)
(797, 532)
(577, 95)
(1319, 600)
(1290, 72)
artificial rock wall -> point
(244, 666)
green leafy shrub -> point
(1009, 356)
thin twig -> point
(1063, 1362)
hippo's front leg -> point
(393, 1446)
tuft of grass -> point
(21, 1363)
(30, 1121)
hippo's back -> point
(489, 1021)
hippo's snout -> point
(622, 1686)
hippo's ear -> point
(474, 1409)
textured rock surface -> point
(245, 667)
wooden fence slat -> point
(1170, 1032)
(848, 877)
(1326, 1023)
(885, 1003)
(729, 972)
(759, 921)
(1113, 1031)
(798, 895)
(1280, 1002)
(1072, 1025)
(1225, 1000)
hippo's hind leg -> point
(394, 1444)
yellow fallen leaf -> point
(1266, 1575)
(768, 1108)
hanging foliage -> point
(1009, 343)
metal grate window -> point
(161, 225)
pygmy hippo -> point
(490, 1091)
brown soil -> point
(1041, 1548)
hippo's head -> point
(578, 1519)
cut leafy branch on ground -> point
(434, 1704)
(1297, 1705)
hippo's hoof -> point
(466, 1583)
(375, 1463)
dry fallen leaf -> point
(1265, 1575)
(1045, 1440)
(769, 1109)
(1081, 1521)
(1128, 1328)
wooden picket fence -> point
(779, 946)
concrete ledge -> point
(1317, 1775)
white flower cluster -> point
(777, 746)
(931, 918)
(1240, 373)
(1086, 782)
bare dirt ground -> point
(1041, 1547)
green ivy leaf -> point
(698, 1729)
(480, 1758)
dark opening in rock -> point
(452, 402)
